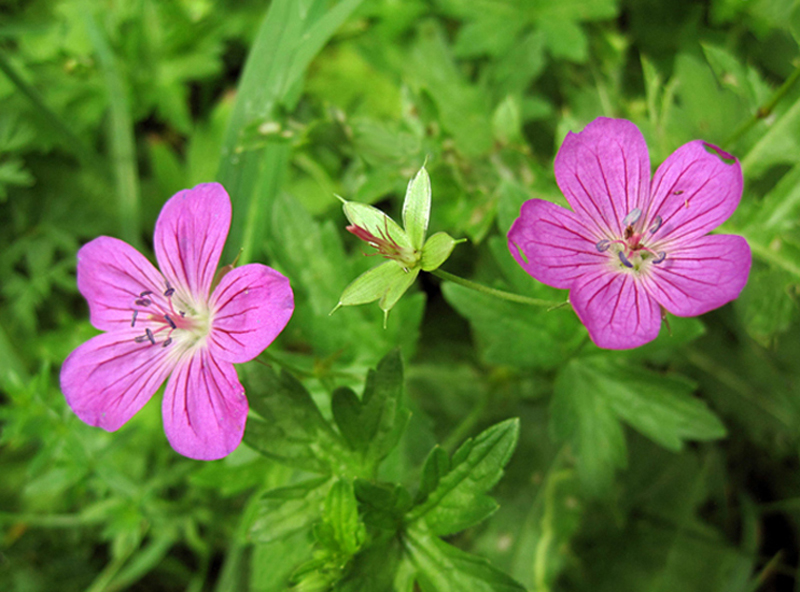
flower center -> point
(631, 249)
(160, 320)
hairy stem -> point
(496, 293)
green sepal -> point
(372, 284)
(417, 208)
(375, 222)
(437, 249)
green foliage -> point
(670, 467)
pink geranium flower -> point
(631, 246)
(174, 323)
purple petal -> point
(616, 309)
(554, 245)
(251, 305)
(702, 275)
(604, 172)
(111, 275)
(110, 377)
(694, 191)
(189, 237)
(204, 408)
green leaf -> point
(443, 568)
(285, 511)
(288, 39)
(341, 519)
(292, 431)
(459, 500)
(436, 466)
(591, 397)
(779, 145)
(417, 208)
(382, 504)
(436, 250)
(378, 283)
(346, 408)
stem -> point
(765, 110)
(440, 273)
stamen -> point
(167, 342)
(170, 321)
(169, 292)
(603, 245)
(657, 221)
(624, 260)
(661, 256)
(149, 335)
(140, 338)
(143, 302)
(183, 314)
(631, 218)
(145, 293)
(678, 192)
(135, 314)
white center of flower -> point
(165, 323)
(632, 252)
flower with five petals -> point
(631, 247)
(177, 324)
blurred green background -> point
(670, 468)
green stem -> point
(48, 520)
(86, 155)
(440, 273)
(765, 110)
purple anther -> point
(657, 221)
(603, 245)
(170, 321)
(149, 335)
(624, 260)
(183, 314)
(145, 293)
(135, 314)
(678, 192)
(140, 338)
(169, 292)
(167, 342)
(631, 218)
(661, 256)
(143, 302)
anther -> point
(143, 302)
(167, 342)
(661, 256)
(632, 217)
(145, 293)
(678, 192)
(603, 245)
(183, 314)
(656, 224)
(140, 338)
(170, 321)
(135, 314)
(624, 260)
(149, 335)
(169, 292)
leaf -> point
(437, 249)
(292, 430)
(592, 395)
(459, 499)
(779, 145)
(443, 568)
(288, 39)
(283, 512)
(417, 208)
(340, 516)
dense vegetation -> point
(474, 443)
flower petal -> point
(604, 172)
(554, 245)
(616, 309)
(250, 307)
(111, 275)
(694, 191)
(189, 237)
(702, 275)
(110, 377)
(204, 408)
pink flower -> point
(174, 325)
(631, 246)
